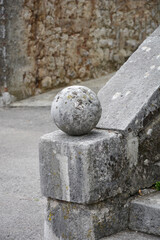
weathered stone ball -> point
(76, 110)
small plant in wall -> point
(157, 186)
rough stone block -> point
(143, 154)
(129, 235)
(2, 13)
(84, 222)
(2, 31)
(145, 214)
(82, 169)
(99, 165)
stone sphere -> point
(76, 110)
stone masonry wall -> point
(2, 44)
(86, 39)
(71, 40)
(16, 59)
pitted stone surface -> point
(132, 93)
(102, 164)
(76, 110)
(84, 222)
(145, 214)
(82, 169)
(102, 169)
(129, 235)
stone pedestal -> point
(84, 169)
(66, 220)
(88, 180)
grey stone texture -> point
(111, 163)
(145, 214)
(2, 44)
(99, 165)
(132, 94)
(82, 169)
(76, 110)
(17, 59)
(6, 99)
(84, 222)
(129, 235)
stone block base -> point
(145, 214)
(85, 222)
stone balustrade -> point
(89, 180)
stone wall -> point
(86, 39)
(15, 59)
(2, 44)
(63, 41)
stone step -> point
(145, 214)
(130, 235)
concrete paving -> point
(21, 203)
